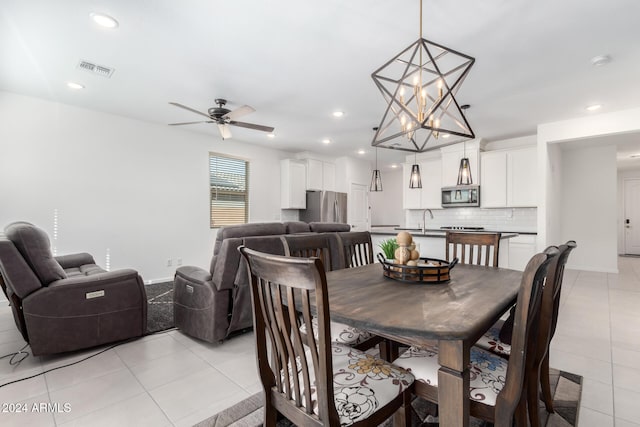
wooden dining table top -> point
(460, 309)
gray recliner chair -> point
(67, 303)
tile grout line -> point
(613, 380)
(142, 385)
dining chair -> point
(498, 338)
(473, 248)
(497, 386)
(356, 247)
(328, 248)
(325, 383)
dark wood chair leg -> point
(520, 414)
(402, 417)
(270, 416)
(547, 397)
(533, 399)
(389, 350)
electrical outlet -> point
(179, 262)
(169, 262)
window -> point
(228, 179)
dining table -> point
(454, 313)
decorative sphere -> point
(403, 255)
(412, 263)
(404, 238)
(415, 255)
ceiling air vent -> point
(96, 69)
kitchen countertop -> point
(433, 232)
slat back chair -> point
(502, 397)
(548, 320)
(328, 247)
(321, 245)
(298, 380)
(357, 248)
(358, 251)
(473, 248)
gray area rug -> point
(567, 389)
(159, 307)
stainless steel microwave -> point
(461, 196)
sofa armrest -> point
(74, 260)
(194, 274)
(88, 295)
(227, 263)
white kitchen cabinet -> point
(411, 197)
(320, 175)
(493, 179)
(521, 249)
(431, 172)
(451, 157)
(508, 178)
(328, 176)
(293, 193)
(522, 170)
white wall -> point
(386, 205)
(137, 189)
(598, 125)
(589, 207)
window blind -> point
(228, 179)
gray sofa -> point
(67, 303)
(211, 305)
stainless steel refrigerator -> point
(325, 206)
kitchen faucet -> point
(424, 220)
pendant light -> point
(376, 176)
(419, 85)
(414, 180)
(464, 173)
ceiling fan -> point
(223, 117)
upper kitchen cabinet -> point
(293, 193)
(493, 177)
(320, 175)
(508, 178)
(431, 172)
(451, 157)
(522, 170)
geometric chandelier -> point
(419, 85)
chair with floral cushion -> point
(324, 383)
(498, 338)
(498, 387)
(329, 249)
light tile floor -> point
(169, 379)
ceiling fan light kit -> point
(223, 117)
(419, 85)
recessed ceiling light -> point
(271, 135)
(600, 60)
(393, 166)
(326, 141)
(338, 113)
(103, 20)
(361, 151)
(73, 85)
(593, 107)
(445, 135)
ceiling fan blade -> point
(190, 123)
(239, 112)
(190, 109)
(225, 133)
(252, 126)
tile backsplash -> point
(507, 219)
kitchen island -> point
(431, 242)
